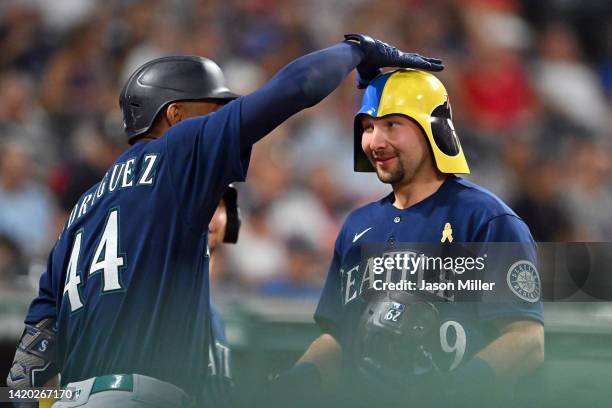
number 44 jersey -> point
(458, 212)
(127, 280)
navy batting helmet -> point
(396, 338)
(230, 198)
(162, 81)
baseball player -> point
(403, 132)
(223, 228)
(123, 307)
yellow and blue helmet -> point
(422, 97)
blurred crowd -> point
(530, 84)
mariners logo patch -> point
(524, 281)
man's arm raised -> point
(308, 79)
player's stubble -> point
(398, 149)
(404, 171)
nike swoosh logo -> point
(357, 236)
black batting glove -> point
(378, 54)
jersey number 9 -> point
(458, 346)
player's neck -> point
(155, 134)
(417, 189)
(157, 131)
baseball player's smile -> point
(384, 161)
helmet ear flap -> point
(161, 81)
(361, 162)
(232, 228)
(443, 131)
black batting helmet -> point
(162, 81)
(232, 228)
(397, 338)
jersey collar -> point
(388, 200)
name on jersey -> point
(122, 175)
